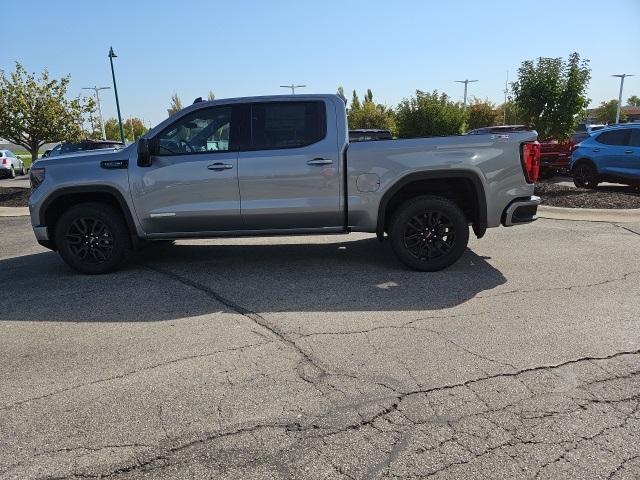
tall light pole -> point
(622, 77)
(97, 91)
(466, 83)
(292, 87)
(115, 89)
(506, 96)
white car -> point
(10, 165)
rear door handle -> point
(220, 166)
(596, 149)
(628, 151)
(320, 161)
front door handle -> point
(320, 161)
(220, 166)
(628, 151)
(596, 149)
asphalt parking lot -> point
(322, 357)
(18, 182)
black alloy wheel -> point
(93, 238)
(585, 176)
(89, 240)
(428, 233)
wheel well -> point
(61, 204)
(585, 160)
(460, 190)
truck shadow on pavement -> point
(166, 283)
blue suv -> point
(610, 155)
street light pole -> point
(466, 83)
(115, 89)
(506, 93)
(292, 87)
(97, 91)
(622, 77)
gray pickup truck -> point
(281, 165)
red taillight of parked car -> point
(530, 156)
(5, 161)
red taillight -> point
(531, 161)
(5, 161)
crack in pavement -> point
(623, 278)
(129, 373)
(313, 430)
(251, 315)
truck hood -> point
(86, 157)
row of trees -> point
(549, 95)
(606, 111)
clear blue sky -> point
(249, 47)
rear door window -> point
(635, 137)
(615, 137)
(277, 125)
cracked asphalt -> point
(323, 358)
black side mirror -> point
(144, 153)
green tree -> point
(35, 111)
(93, 130)
(355, 101)
(134, 129)
(111, 129)
(368, 114)
(633, 101)
(509, 114)
(176, 104)
(481, 114)
(210, 96)
(429, 114)
(606, 112)
(551, 93)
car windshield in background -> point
(65, 148)
(366, 135)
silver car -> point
(10, 165)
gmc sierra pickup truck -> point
(281, 165)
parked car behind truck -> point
(279, 166)
(611, 154)
(10, 164)
(554, 155)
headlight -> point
(36, 177)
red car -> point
(554, 155)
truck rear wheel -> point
(93, 238)
(428, 233)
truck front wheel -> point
(93, 238)
(428, 233)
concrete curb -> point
(14, 211)
(612, 215)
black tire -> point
(22, 171)
(12, 172)
(92, 238)
(585, 175)
(428, 233)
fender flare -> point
(109, 190)
(479, 223)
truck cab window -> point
(201, 131)
(287, 124)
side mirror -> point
(144, 153)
